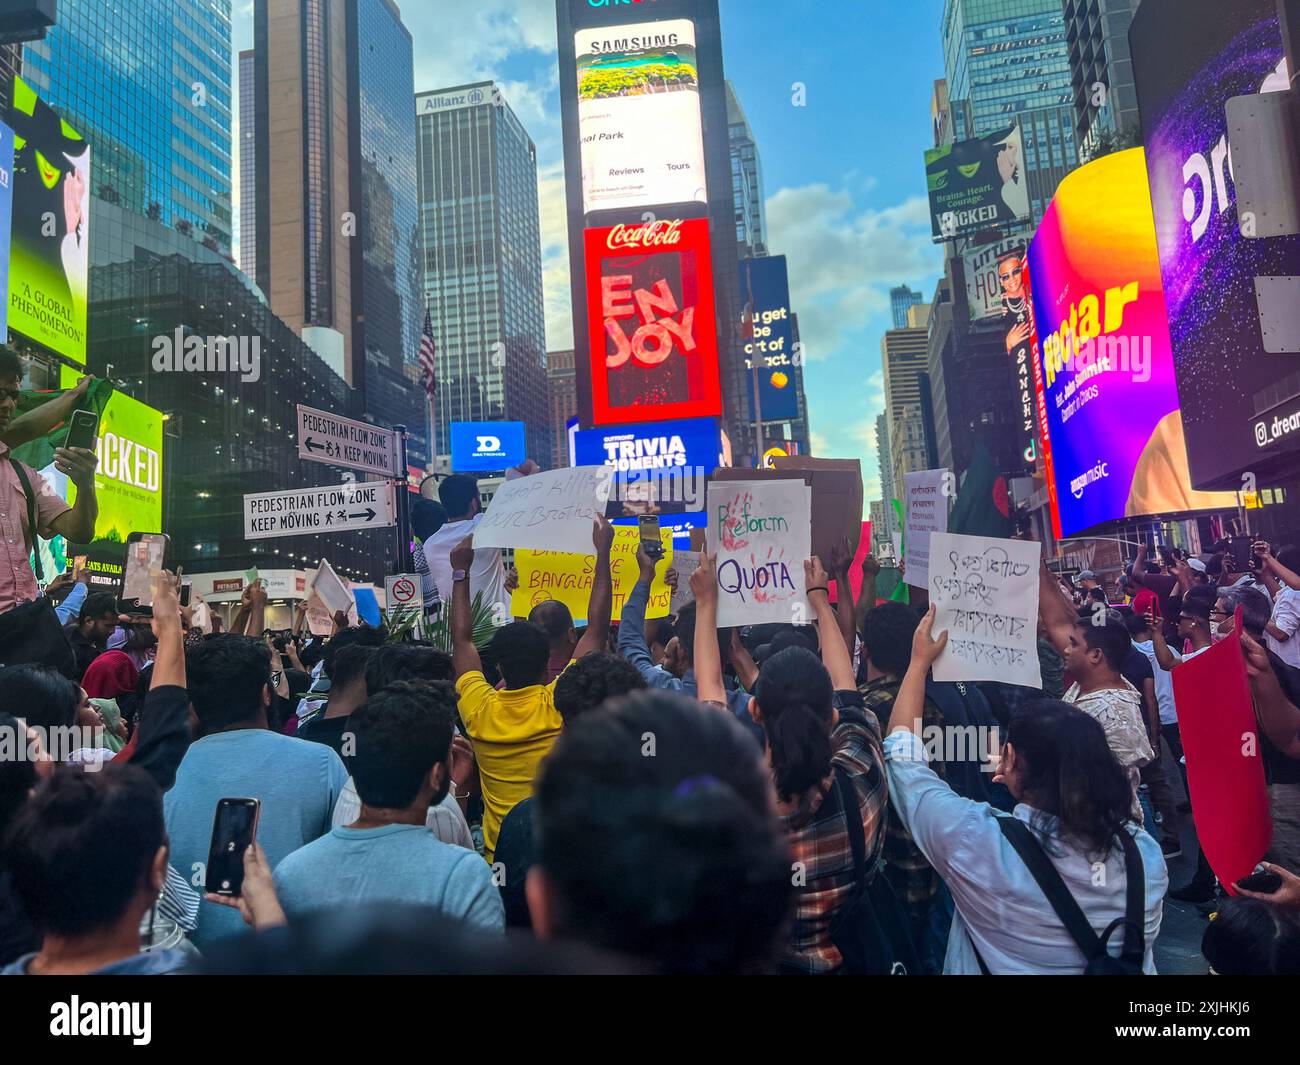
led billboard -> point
(48, 258)
(985, 286)
(651, 322)
(767, 337)
(639, 124)
(977, 184)
(483, 447)
(1113, 435)
(1240, 401)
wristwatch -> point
(459, 575)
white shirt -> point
(999, 906)
(445, 820)
(1286, 616)
(487, 574)
(1164, 683)
(1119, 712)
(1247, 581)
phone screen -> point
(651, 538)
(144, 562)
(186, 590)
(233, 830)
(81, 430)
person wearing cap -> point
(1085, 580)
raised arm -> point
(867, 597)
(909, 704)
(1278, 716)
(464, 655)
(1165, 655)
(845, 611)
(36, 423)
(1273, 571)
(1055, 611)
(835, 655)
(601, 604)
(708, 658)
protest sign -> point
(1225, 772)
(927, 513)
(986, 595)
(551, 511)
(855, 567)
(685, 563)
(567, 577)
(762, 533)
(329, 589)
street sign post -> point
(332, 508)
(336, 441)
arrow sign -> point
(328, 438)
(333, 508)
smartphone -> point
(186, 588)
(233, 830)
(145, 553)
(1264, 882)
(82, 430)
(651, 538)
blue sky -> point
(843, 175)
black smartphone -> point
(187, 587)
(82, 430)
(145, 554)
(233, 830)
(1265, 882)
(651, 538)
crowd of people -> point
(652, 795)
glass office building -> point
(148, 82)
(482, 261)
(746, 181)
(1007, 60)
(247, 163)
(387, 256)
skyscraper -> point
(900, 300)
(150, 86)
(481, 234)
(336, 229)
(903, 356)
(746, 181)
(247, 163)
(1101, 71)
(562, 390)
(1007, 61)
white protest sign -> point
(329, 589)
(328, 438)
(403, 591)
(985, 592)
(551, 511)
(333, 508)
(762, 533)
(927, 514)
(685, 563)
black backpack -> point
(871, 930)
(1100, 961)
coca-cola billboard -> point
(651, 321)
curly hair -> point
(593, 679)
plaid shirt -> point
(913, 878)
(819, 839)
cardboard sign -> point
(1225, 773)
(685, 563)
(567, 577)
(551, 511)
(986, 594)
(330, 589)
(762, 533)
(836, 493)
(927, 513)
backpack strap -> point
(1058, 895)
(31, 516)
(853, 821)
(1135, 903)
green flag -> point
(982, 508)
(900, 594)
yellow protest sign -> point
(567, 577)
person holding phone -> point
(24, 492)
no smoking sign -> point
(402, 590)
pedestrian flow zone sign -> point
(333, 508)
(335, 441)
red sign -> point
(651, 320)
(234, 584)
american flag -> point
(428, 359)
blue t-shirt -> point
(396, 863)
(146, 963)
(297, 781)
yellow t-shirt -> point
(512, 732)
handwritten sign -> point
(986, 594)
(550, 511)
(762, 533)
(685, 563)
(927, 514)
(567, 577)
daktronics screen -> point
(639, 124)
(651, 322)
(1239, 398)
(481, 447)
(1114, 435)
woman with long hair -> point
(1074, 799)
